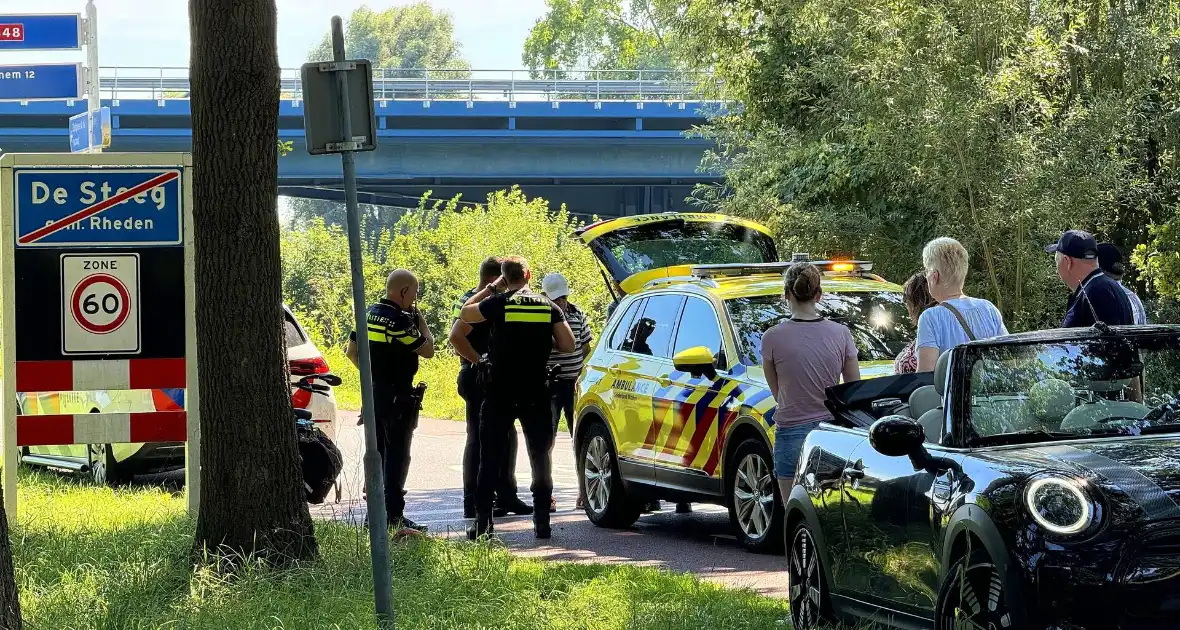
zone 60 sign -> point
(100, 303)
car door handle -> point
(664, 380)
(855, 471)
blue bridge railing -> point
(167, 83)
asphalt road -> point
(699, 543)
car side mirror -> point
(697, 361)
(897, 436)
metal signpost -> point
(98, 293)
(339, 118)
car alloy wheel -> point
(806, 586)
(753, 496)
(598, 474)
(607, 503)
(98, 463)
(973, 597)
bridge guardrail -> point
(166, 83)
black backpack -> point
(322, 461)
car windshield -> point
(686, 243)
(878, 321)
(1092, 388)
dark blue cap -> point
(1108, 256)
(1075, 244)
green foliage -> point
(869, 126)
(603, 35)
(443, 244)
(412, 37)
(90, 558)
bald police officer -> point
(525, 329)
(398, 336)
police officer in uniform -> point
(398, 336)
(525, 329)
(470, 341)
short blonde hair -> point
(949, 258)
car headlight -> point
(1059, 505)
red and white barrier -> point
(85, 376)
(101, 428)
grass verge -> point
(93, 558)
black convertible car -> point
(1033, 481)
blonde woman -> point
(956, 318)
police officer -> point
(525, 328)
(470, 341)
(398, 336)
(1096, 297)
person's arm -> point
(401, 332)
(768, 367)
(470, 312)
(426, 350)
(351, 352)
(851, 371)
(563, 336)
(460, 343)
(926, 343)
(927, 359)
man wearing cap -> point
(1110, 260)
(565, 366)
(1096, 296)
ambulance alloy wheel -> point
(607, 503)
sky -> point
(154, 33)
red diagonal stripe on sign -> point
(96, 208)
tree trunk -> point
(252, 497)
(9, 595)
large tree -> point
(604, 35)
(251, 488)
(10, 618)
(407, 39)
(869, 126)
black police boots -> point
(481, 526)
(512, 505)
(541, 524)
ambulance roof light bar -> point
(778, 268)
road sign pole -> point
(93, 94)
(374, 485)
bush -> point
(443, 244)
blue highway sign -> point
(89, 130)
(87, 207)
(46, 81)
(52, 31)
(79, 132)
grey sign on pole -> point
(339, 118)
(321, 116)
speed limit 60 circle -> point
(100, 303)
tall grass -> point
(93, 558)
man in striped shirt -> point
(1110, 260)
(568, 364)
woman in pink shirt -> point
(802, 356)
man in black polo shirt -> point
(471, 342)
(1096, 296)
(525, 329)
(398, 335)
